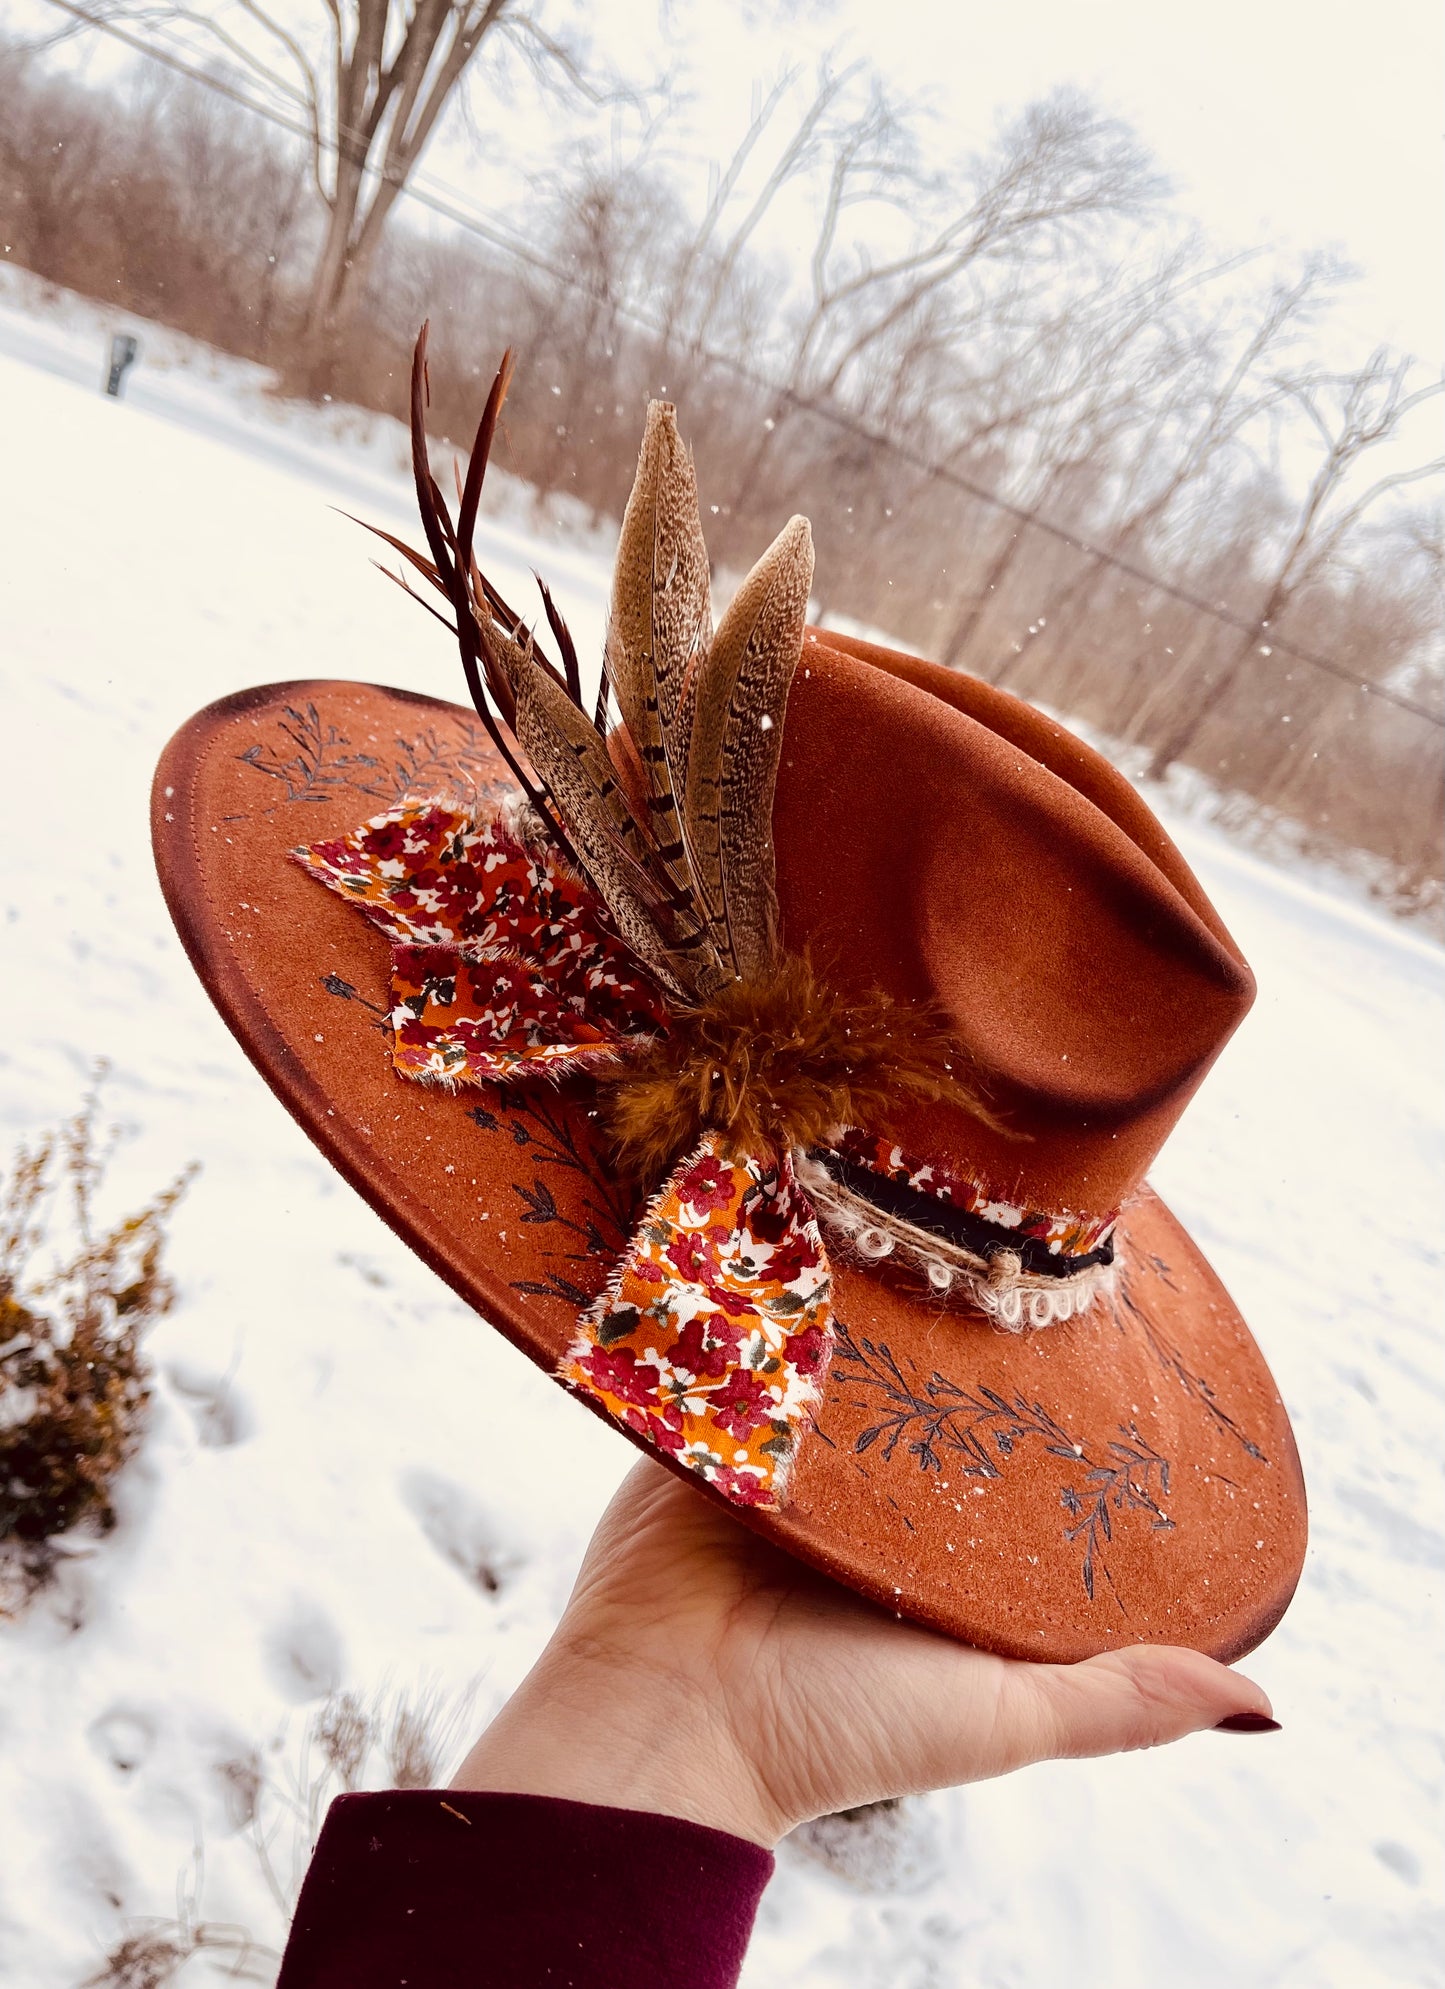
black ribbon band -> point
(954, 1225)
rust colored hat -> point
(780, 1065)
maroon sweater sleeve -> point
(438, 1889)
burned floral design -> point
(978, 1430)
(315, 759)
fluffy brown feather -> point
(774, 1063)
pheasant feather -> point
(573, 762)
(660, 626)
(679, 847)
(737, 731)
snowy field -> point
(322, 1481)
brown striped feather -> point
(660, 623)
(737, 735)
(572, 762)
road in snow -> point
(336, 1439)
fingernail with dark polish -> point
(1248, 1723)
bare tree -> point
(681, 303)
(1420, 537)
(1351, 415)
(699, 285)
(616, 228)
(1057, 170)
(1166, 401)
(43, 116)
(1059, 167)
(795, 157)
(370, 80)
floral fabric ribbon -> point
(713, 1336)
(503, 963)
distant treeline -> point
(1143, 406)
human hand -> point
(699, 1672)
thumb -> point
(1140, 1697)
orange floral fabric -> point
(713, 1338)
(503, 961)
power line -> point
(416, 188)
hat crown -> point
(941, 840)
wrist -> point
(593, 1732)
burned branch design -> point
(320, 762)
(550, 1134)
(317, 764)
(980, 1430)
(1128, 1310)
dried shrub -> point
(242, 1777)
(422, 1736)
(402, 1742)
(344, 1731)
(150, 1957)
(144, 1959)
(397, 1740)
(75, 1302)
(153, 1953)
(390, 1739)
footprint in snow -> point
(124, 1737)
(304, 1653)
(95, 1867)
(1399, 1859)
(886, 1847)
(367, 1271)
(219, 1411)
(461, 1530)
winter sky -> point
(1279, 123)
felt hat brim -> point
(1128, 1476)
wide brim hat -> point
(1048, 1433)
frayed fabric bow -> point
(712, 1336)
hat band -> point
(954, 1204)
(1023, 1268)
(938, 1214)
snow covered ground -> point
(323, 1479)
